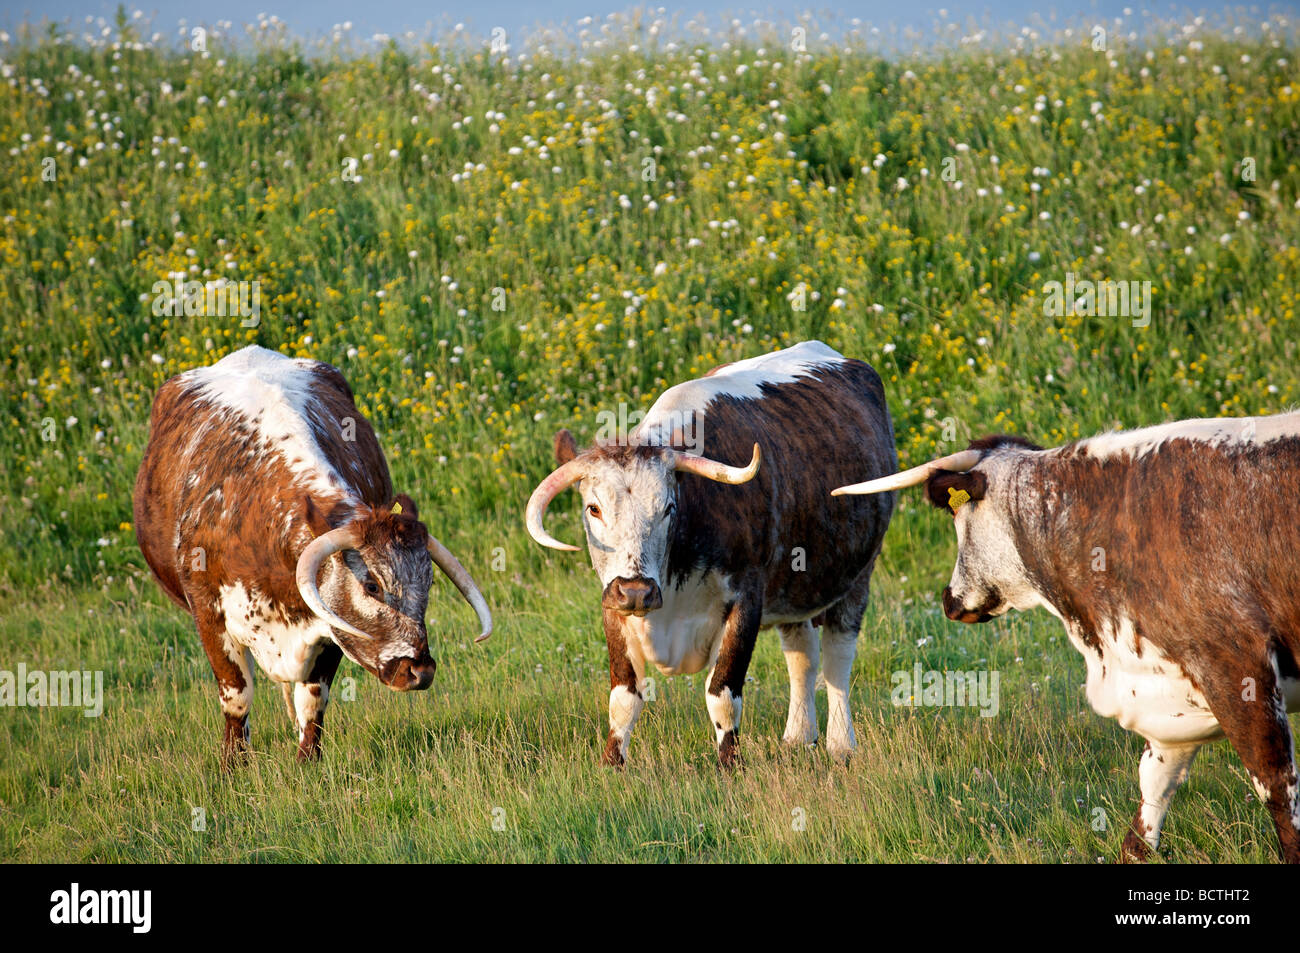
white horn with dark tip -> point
(309, 563)
(459, 575)
(960, 462)
(535, 515)
(713, 470)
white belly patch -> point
(1146, 693)
(683, 635)
(286, 652)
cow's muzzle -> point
(632, 596)
(408, 674)
(981, 613)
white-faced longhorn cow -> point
(265, 509)
(1172, 557)
(696, 556)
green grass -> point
(517, 724)
(939, 287)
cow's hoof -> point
(308, 753)
(1134, 850)
(729, 751)
(613, 755)
(800, 739)
(234, 757)
(840, 754)
(234, 743)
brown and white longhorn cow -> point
(696, 556)
(265, 509)
(1171, 555)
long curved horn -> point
(458, 574)
(309, 563)
(713, 470)
(555, 484)
(960, 461)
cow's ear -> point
(314, 517)
(566, 448)
(948, 490)
(405, 506)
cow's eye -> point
(593, 511)
(372, 587)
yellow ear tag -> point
(397, 508)
(956, 498)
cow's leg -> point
(233, 667)
(286, 692)
(726, 682)
(800, 644)
(1252, 712)
(626, 674)
(1160, 772)
(309, 700)
(839, 648)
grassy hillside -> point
(529, 240)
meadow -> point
(493, 245)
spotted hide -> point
(265, 509)
(1171, 556)
(697, 551)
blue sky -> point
(310, 17)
